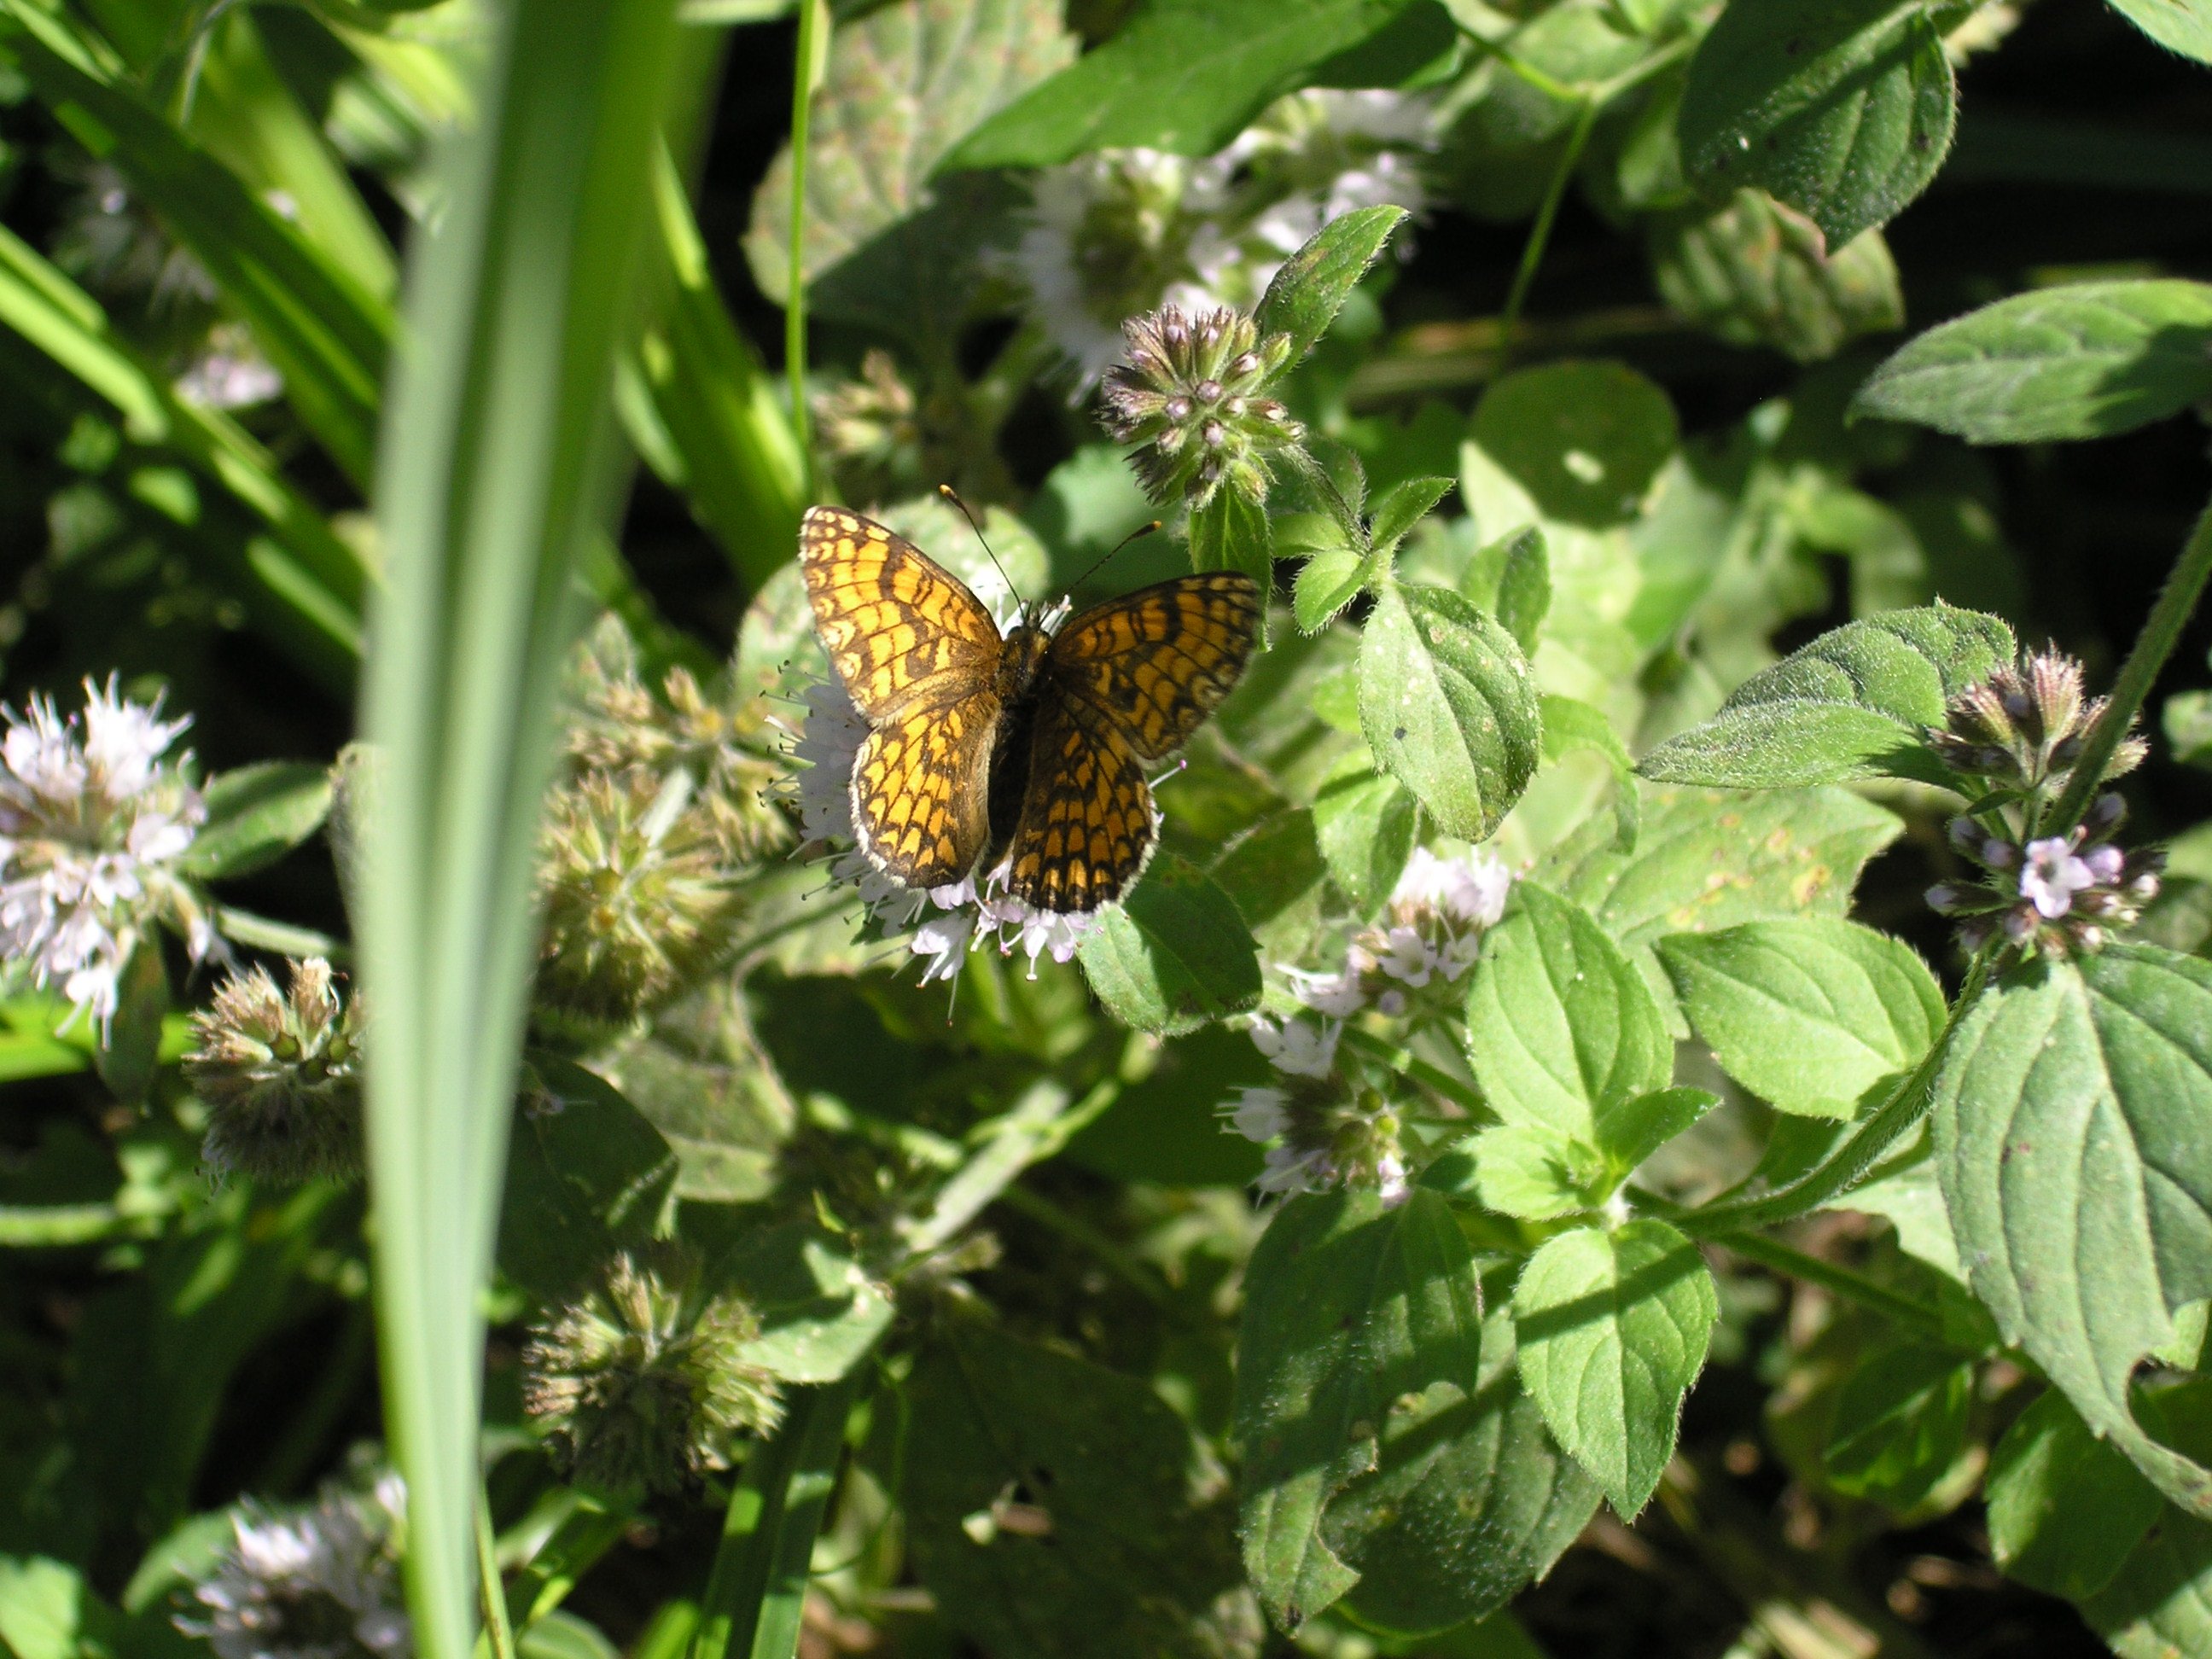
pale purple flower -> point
(316, 1583)
(2052, 874)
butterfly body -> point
(1024, 754)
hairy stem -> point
(813, 43)
(2161, 632)
(1539, 233)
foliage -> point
(1532, 1139)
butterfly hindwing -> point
(1157, 662)
(901, 631)
(1086, 829)
(920, 788)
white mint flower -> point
(2052, 874)
(1338, 995)
(1259, 1114)
(1297, 1047)
(319, 1583)
(1123, 232)
(94, 815)
(1390, 1184)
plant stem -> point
(1117, 1260)
(1844, 1282)
(804, 75)
(1539, 233)
(1848, 1165)
(1405, 1064)
(758, 1589)
(2161, 632)
(499, 1633)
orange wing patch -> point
(901, 631)
(1157, 662)
(921, 792)
(1085, 829)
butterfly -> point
(1026, 753)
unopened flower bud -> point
(280, 1073)
(1212, 370)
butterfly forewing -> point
(1158, 661)
(901, 631)
(1125, 683)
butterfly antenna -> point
(1099, 562)
(953, 496)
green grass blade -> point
(493, 475)
(327, 332)
(729, 443)
(308, 583)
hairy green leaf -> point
(1174, 954)
(1560, 1026)
(1757, 273)
(1852, 704)
(1899, 1423)
(884, 245)
(1365, 822)
(1311, 287)
(1807, 1013)
(1051, 1505)
(1612, 1328)
(1449, 706)
(2068, 1119)
(586, 1174)
(1349, 1305)
(2065, 1509)
(1841, 108)
(820, 1314)
(2183, 26)
(2083, 361)
(1470, 1502)
(256, 815)
(1149, 86)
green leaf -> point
(1471, 1502)
(1899, 1423)
(1632, 1130)
(1327, 581)
(1311, 287)
(1787, 853)
(1449, 706)
(2082, 361)
(1585, 439)
(1852, 704)
(2065, 1510)
(130, 1053)
(820, 1314)
(1524, 588)
(1155, 84)
(1612, 1328)
(1560, 1027)
(1164, 1130)
(1174, 955)
(2182, 26)
(561, 1635)
(2068, 1121)
(1841, 108)
(256, 815)
(1054, 1506)
(1364, 823)
(586, 1176)
(1755, 272)
(1348, 1306)
(1535, 1173)
(1571, 725)
(1403, 505)
(883, 245)
(1231, 532)
(1809, 1014)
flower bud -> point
(279, 1074)
(642, 1384)
(1185, 379)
